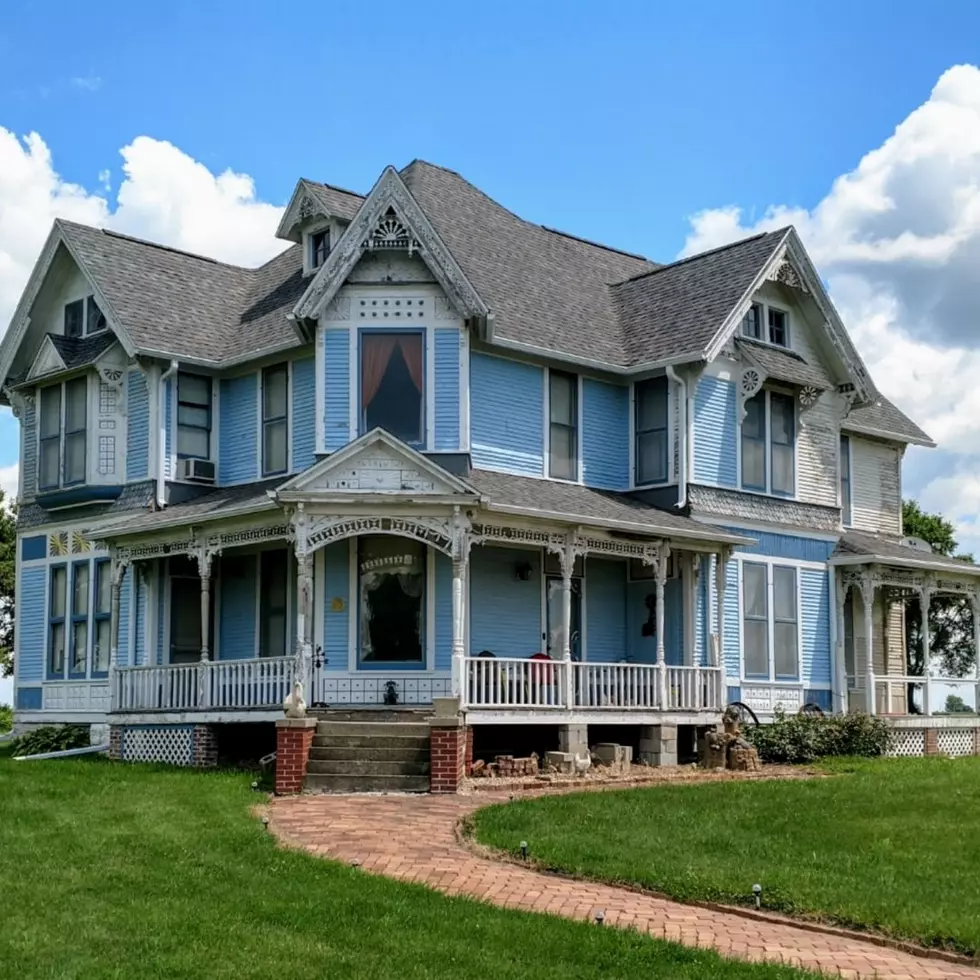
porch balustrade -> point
(207, 685)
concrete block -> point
(613, 754)
(562, 761)
(573, 738)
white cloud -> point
(88, 83)
(8, 481)
(165, 196)
(898, 242)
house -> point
(433, 450)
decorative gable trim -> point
(791, 266)
(375, 463)
(48, 361)
(302, 206)
(390, 217)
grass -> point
(888, 845)
(121, 871)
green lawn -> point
(890, 845)
(130, 871)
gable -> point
(48, 361)
(375, 463)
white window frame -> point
(325, 227)
(87, 302)
(768, 491)
(61, 484)
(765, 306)
(770, 563)
(579, 417)
(288, 418)
(671, 422)
(213, 408)
(847, 520)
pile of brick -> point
(506, 766)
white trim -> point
(579, 463)
(884, 434)
(769, 564)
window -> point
(56, 620)
(83, 317)
(275, 400)
(102, 615)
(752, 322)
(777, 327)
(650, 407)
(770, 621)
(391, 600)
(272, 602)
(319, 247)
(193, 416)
(79, 619)
(563, 425)
(72, 396)
(845, 479)
(185, 610)
(769, 444)
(392, 382)
(776, 330)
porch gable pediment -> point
(377, 463)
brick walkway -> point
(412, 838)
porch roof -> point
(527, 496)
(863, 548)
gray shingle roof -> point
(861, 544)
(677, 310)
(884, 418)
(335, 200)
(578, 503)
(785, 365)
(76, 351)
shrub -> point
(803, 738)
(51, 738)
(6, 718)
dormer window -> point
(319, 247)
(83, 318)
(766, 323)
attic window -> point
(766, 323)
(319, 247)
(83, 318)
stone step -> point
(319, 783)
(389, 729)
(405, 743)
(372, 752)
(371, 714)
(363, 767)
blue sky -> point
(641, 125)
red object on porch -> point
(294, 739)
(543, 675)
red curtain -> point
(376, 353)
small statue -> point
(583, 763)
(294, 706)
(728, 749)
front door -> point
(555, 619)
(185, 611)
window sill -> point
(78, 495)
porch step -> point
(368, 767)
(404, 743)
(372, 728)
(319, 783)
(371, 750)
(368, 715)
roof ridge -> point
(595, 244)
(701, 255)
(333, 187)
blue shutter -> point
(303, 433)
(138, 427)
(238, 437)
(715, 433)
(336, 409)
(605, 435)
(446, 356)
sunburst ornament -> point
(751, 382)
(809, 396)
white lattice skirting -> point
(373, 690)
(173, 744)
(954, 741)
(911, 742)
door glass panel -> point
(391, 599)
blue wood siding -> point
(703, 608)
(789, 546)
(446, 358)
(506, 415)
(643, 649)
(715, 433)
(140, 607)
(732, 638)
(161, 655)
(605, 435)
(336, 389)
(31, 624)
(29, 452)
(444, 612)
(237, 619)
(123, 652)
(815, 613)
(238, 433)
(137, 427)
(303, 433)
(505, 613)
(336, 604)
(28, 699)
(605, 610)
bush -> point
(804, 738)
(51, 738)
(6, 718)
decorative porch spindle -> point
(459, 621)
(567, 559)
(205, 558)
(840, 671)
(304, 623)
(661, 579)
(925, 601)
(868, 599)
(718, 651)
(117, 571)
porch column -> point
(205, 559)
(661, 579)
(461, 540)
(868, 599)
(840, 668)
(567, 557)
(718, 647)
(117, 571)
(925, 601)
(304, 622)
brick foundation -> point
(448, 750)
(205, 747)
(115, 742)
(294, 739)
(931, 741)
(468, 762)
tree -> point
(956, 705)
(950, 616)
(8, 552)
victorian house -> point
(432, 450)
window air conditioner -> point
(195, 470)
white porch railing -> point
(518, 683)
(210, 684)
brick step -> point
(319, 783)
(364, 767)
(371, 714)
(376, 750)
(362, 729)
